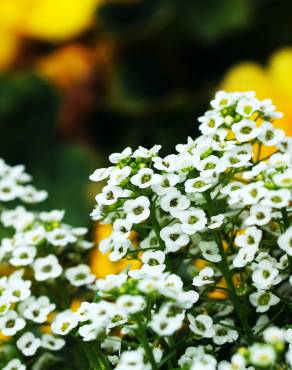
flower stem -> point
(145, 344)
(286, 226)
(228, 275)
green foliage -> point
(28, 122)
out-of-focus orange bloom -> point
(6, 270)
(69, 65)
(273, 81)
(218, 293)
(100, 264)
(75, 304)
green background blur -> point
(148, 69)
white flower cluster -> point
(216, 216)
(40, 256)
(212, 230)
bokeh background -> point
(82, 78)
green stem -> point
(233, 295)
(286, 226)
(145, 344)
(93, 359)
(96, 357)
(228, 275)
(156, 225)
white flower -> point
(119, 157)
(118, 175)
(285, 241)
(174, 202)
(9, 190)
(201, 325)
(252, 193)
(198, 184)
(137, 210)
(210, 251)
(216, 221)
(121, 230)
(255, 171)
(52, 216)
(145, 178)
(79, 275)
(60, 237)
(23, 256)
(263, 300)
(238, 362)
(19, 289)
(110, 194)
(288, 335)
(210, 123)
(165, 324)
(28, 344)
(205, 362)
(193, 220)
(174, 237)
(64, 323)
(187, 161)
(245, 130)
(273, 335)
(211, 165)
(246, 107)
(37, 309)
(52, 343)
(205, 277)
(262, 355)
(142, 152)
(47, 268)
(131, 303)
(251, 237)
(120, 249)
(224, 334)
(10, 323)
(31, 195)
(265, 275)
(19, 218)
(284, 179)
(259, 215)
(35, 236)
(167, 164)
(101, 174)
(245, 256)
(91, 331)
(279, 160)
(14, 364)
(132, 360)
(277, 198)
(167, 181)
(269, 135)
(153, 258)
(153, 263)
(222, 100)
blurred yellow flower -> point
(273, 81)
(47, 20)
(9, 48)
(100, 264)
(50, 20)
